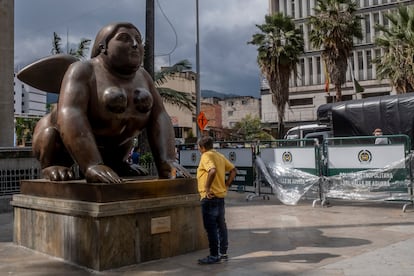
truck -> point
(394, 114)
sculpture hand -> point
(101, 174)
(172, 169)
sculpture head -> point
(120, 45)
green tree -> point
(279, 45)
(24, 129)
(79, 52)
(397, 40)
(250, 129)
(334, 26)
(179, 98)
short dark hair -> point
(206, 142)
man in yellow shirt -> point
(213, 186)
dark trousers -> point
(215, 224)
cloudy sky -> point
(227, 62)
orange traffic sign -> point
(202, 120)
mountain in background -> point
(214, 94)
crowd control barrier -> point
(290, 167)
(239, 153)
(358, 169)
(352, 168)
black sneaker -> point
(224, 257)
(209, 260)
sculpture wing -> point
(47, 73)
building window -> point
(229, 113)
(244, 102)
(360, 65)
(331, 99)
(230, 103)
(310, 71)
(376, 22)
(318, 70)
(302, 71)
(369, 64)
(304, 101)
(178, 132)
(292, 5)
(385, 21)
(367, 28)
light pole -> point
(198, 92)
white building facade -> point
(28, 101)
(234, 109)
(307, 92)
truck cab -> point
(309, 131)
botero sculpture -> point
(104, 103)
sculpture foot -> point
(58, 173)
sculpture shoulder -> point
(80, 70)
(142, 72)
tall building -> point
(28, 101)
(307, 92)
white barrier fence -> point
(345, 168)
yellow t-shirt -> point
(209, 160)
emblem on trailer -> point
(287, 157)
(193, 157)
(364, 156)
(232, 156)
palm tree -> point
(397, 40)
(181, 99)
(279, 46)
(334, 26)
(80, 52)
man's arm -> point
(211, 175)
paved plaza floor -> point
(268, 238)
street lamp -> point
(198, 92)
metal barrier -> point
(358, 169)
(16, 164)
(255, 178)
(239, 153)
(290, 167)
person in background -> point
(213, 186)
(380, 140)
(135, 156)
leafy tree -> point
(250, 129)
(181, 99)
(24, 129)
(397, 40)
(334, 26)
(79, 52)
(279, 45)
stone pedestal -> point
(105, 226)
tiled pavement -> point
(268, 238)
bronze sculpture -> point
(103, 104)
